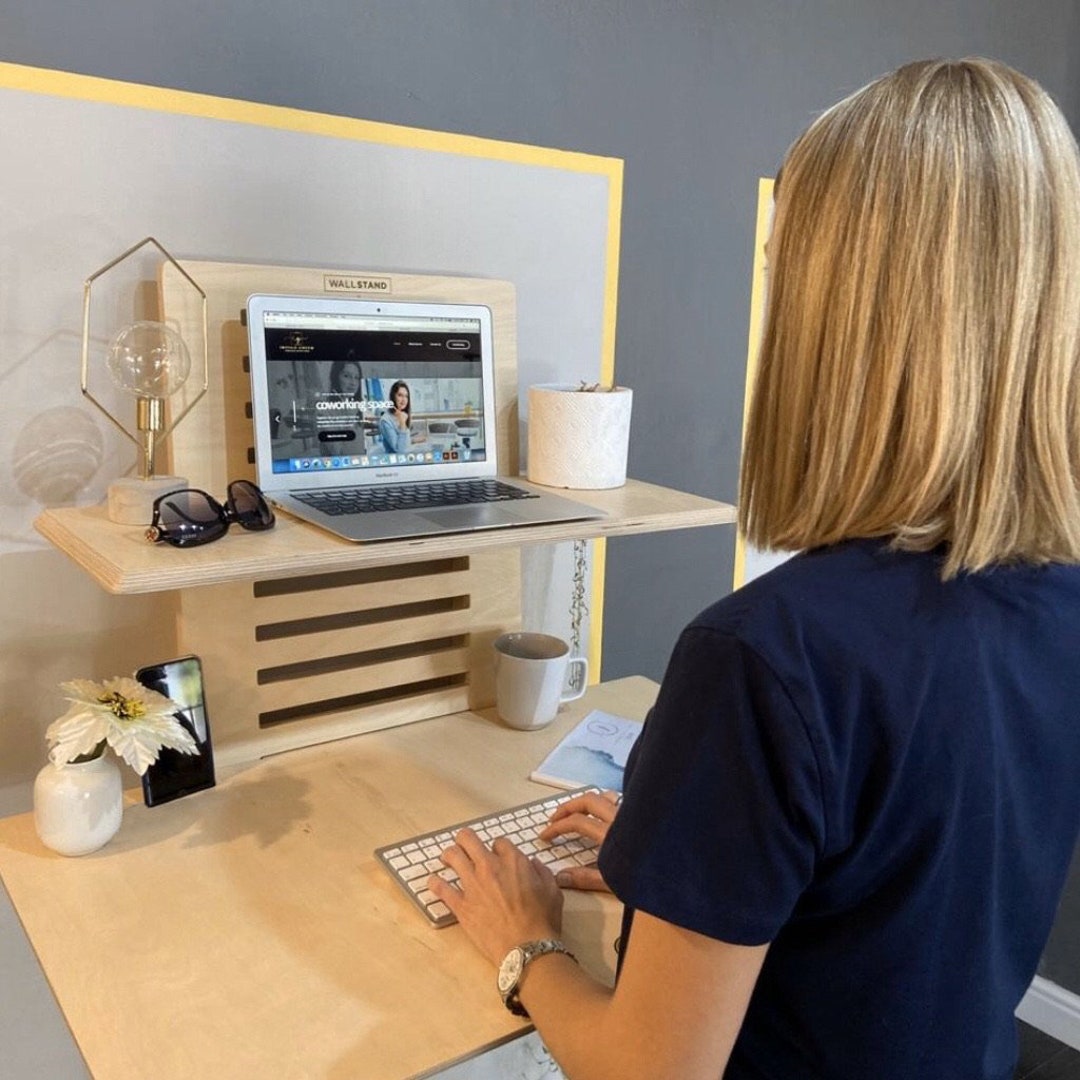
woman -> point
(850, 814)
(395, 424)
(346, 385)
(346, 379)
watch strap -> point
(530, 951)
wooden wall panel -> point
(296, 660)
(305, 684)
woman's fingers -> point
(466, 851)
(581, 824)
(584, 878)
(590, 816)
(601, 804)
(501, 898)
(587, 815)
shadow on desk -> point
(265, 809)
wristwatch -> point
(513, 968)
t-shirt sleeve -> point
(722, 819)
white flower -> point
(134, 720)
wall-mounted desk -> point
(305, 637)
(120, 560)
(248, 931)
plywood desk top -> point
(119, 558)
(248, 931)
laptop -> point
(376, 420)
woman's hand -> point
(587, 815)
(501, 897)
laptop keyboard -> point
(368, 500)
(411, 862)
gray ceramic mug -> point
(530, 678)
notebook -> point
(376, 420)
(594, 753)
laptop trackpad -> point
(480, 516)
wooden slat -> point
(366, 597)
(303, 690)
(340, 724)
(358, 639)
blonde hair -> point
(918, 370)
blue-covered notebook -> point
(595, 752)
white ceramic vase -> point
(78, 807)
(577, 438)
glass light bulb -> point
(149, 359)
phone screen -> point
(175, 774)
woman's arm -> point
(681, 996)
(675, 1013)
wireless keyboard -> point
(410, 862)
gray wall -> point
(699, 97)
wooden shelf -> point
(119, 558)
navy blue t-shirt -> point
(879, 773)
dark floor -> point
(1043, 1058)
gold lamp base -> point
(131, 499)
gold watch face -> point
(510, 970)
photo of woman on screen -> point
(346, 385)
(395, 424)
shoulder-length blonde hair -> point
(918, 371)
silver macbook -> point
(376, 420)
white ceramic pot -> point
(578, 438)
(78, 807)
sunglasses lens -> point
(249, 508)
(190, 517)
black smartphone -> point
(175, 774)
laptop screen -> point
(366, 388)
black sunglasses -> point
(189, 517)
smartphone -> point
(175, 774)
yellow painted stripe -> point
(596, 609)
(757, 314)
(186, 103)
(607, 375)
(611, 272)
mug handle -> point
(573, 695)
